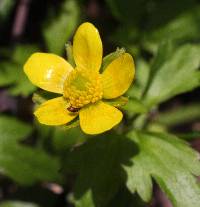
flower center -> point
(82, 87)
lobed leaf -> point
(171, 162)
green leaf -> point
(168, 160)
(23, 164)
(141, 79)
(7, 76)
(140, 121)
(165, 51)
(135, 106)
(104, 163)
(17, 204)
(189, 19)
(179, 115)
(65, 138)
(177, 73)
(12, 74)
(121, 199)
(58, 31)
(22, 52)
(98, 163)
(22, 86)
(86, 200)
(13, 129)
(144, 29)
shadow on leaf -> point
(99, 164)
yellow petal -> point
(118, 76)
(54, 112)
(47, 71)
(87, 47)
(99, 117)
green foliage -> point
(173, 29)
(179, 116)
(64, 138)
(176, 15)
(103, 164)
(135, 106)
(12, 74)
(13, 129)
(86, 200)
(141, 80)
(120, 167)
(170, 162)
(17, 204)
(99, 166)
(59, 30)
(173, 72)
(22, 163)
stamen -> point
(82, 87)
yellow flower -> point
(83, 88)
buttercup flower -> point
(83, 88)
